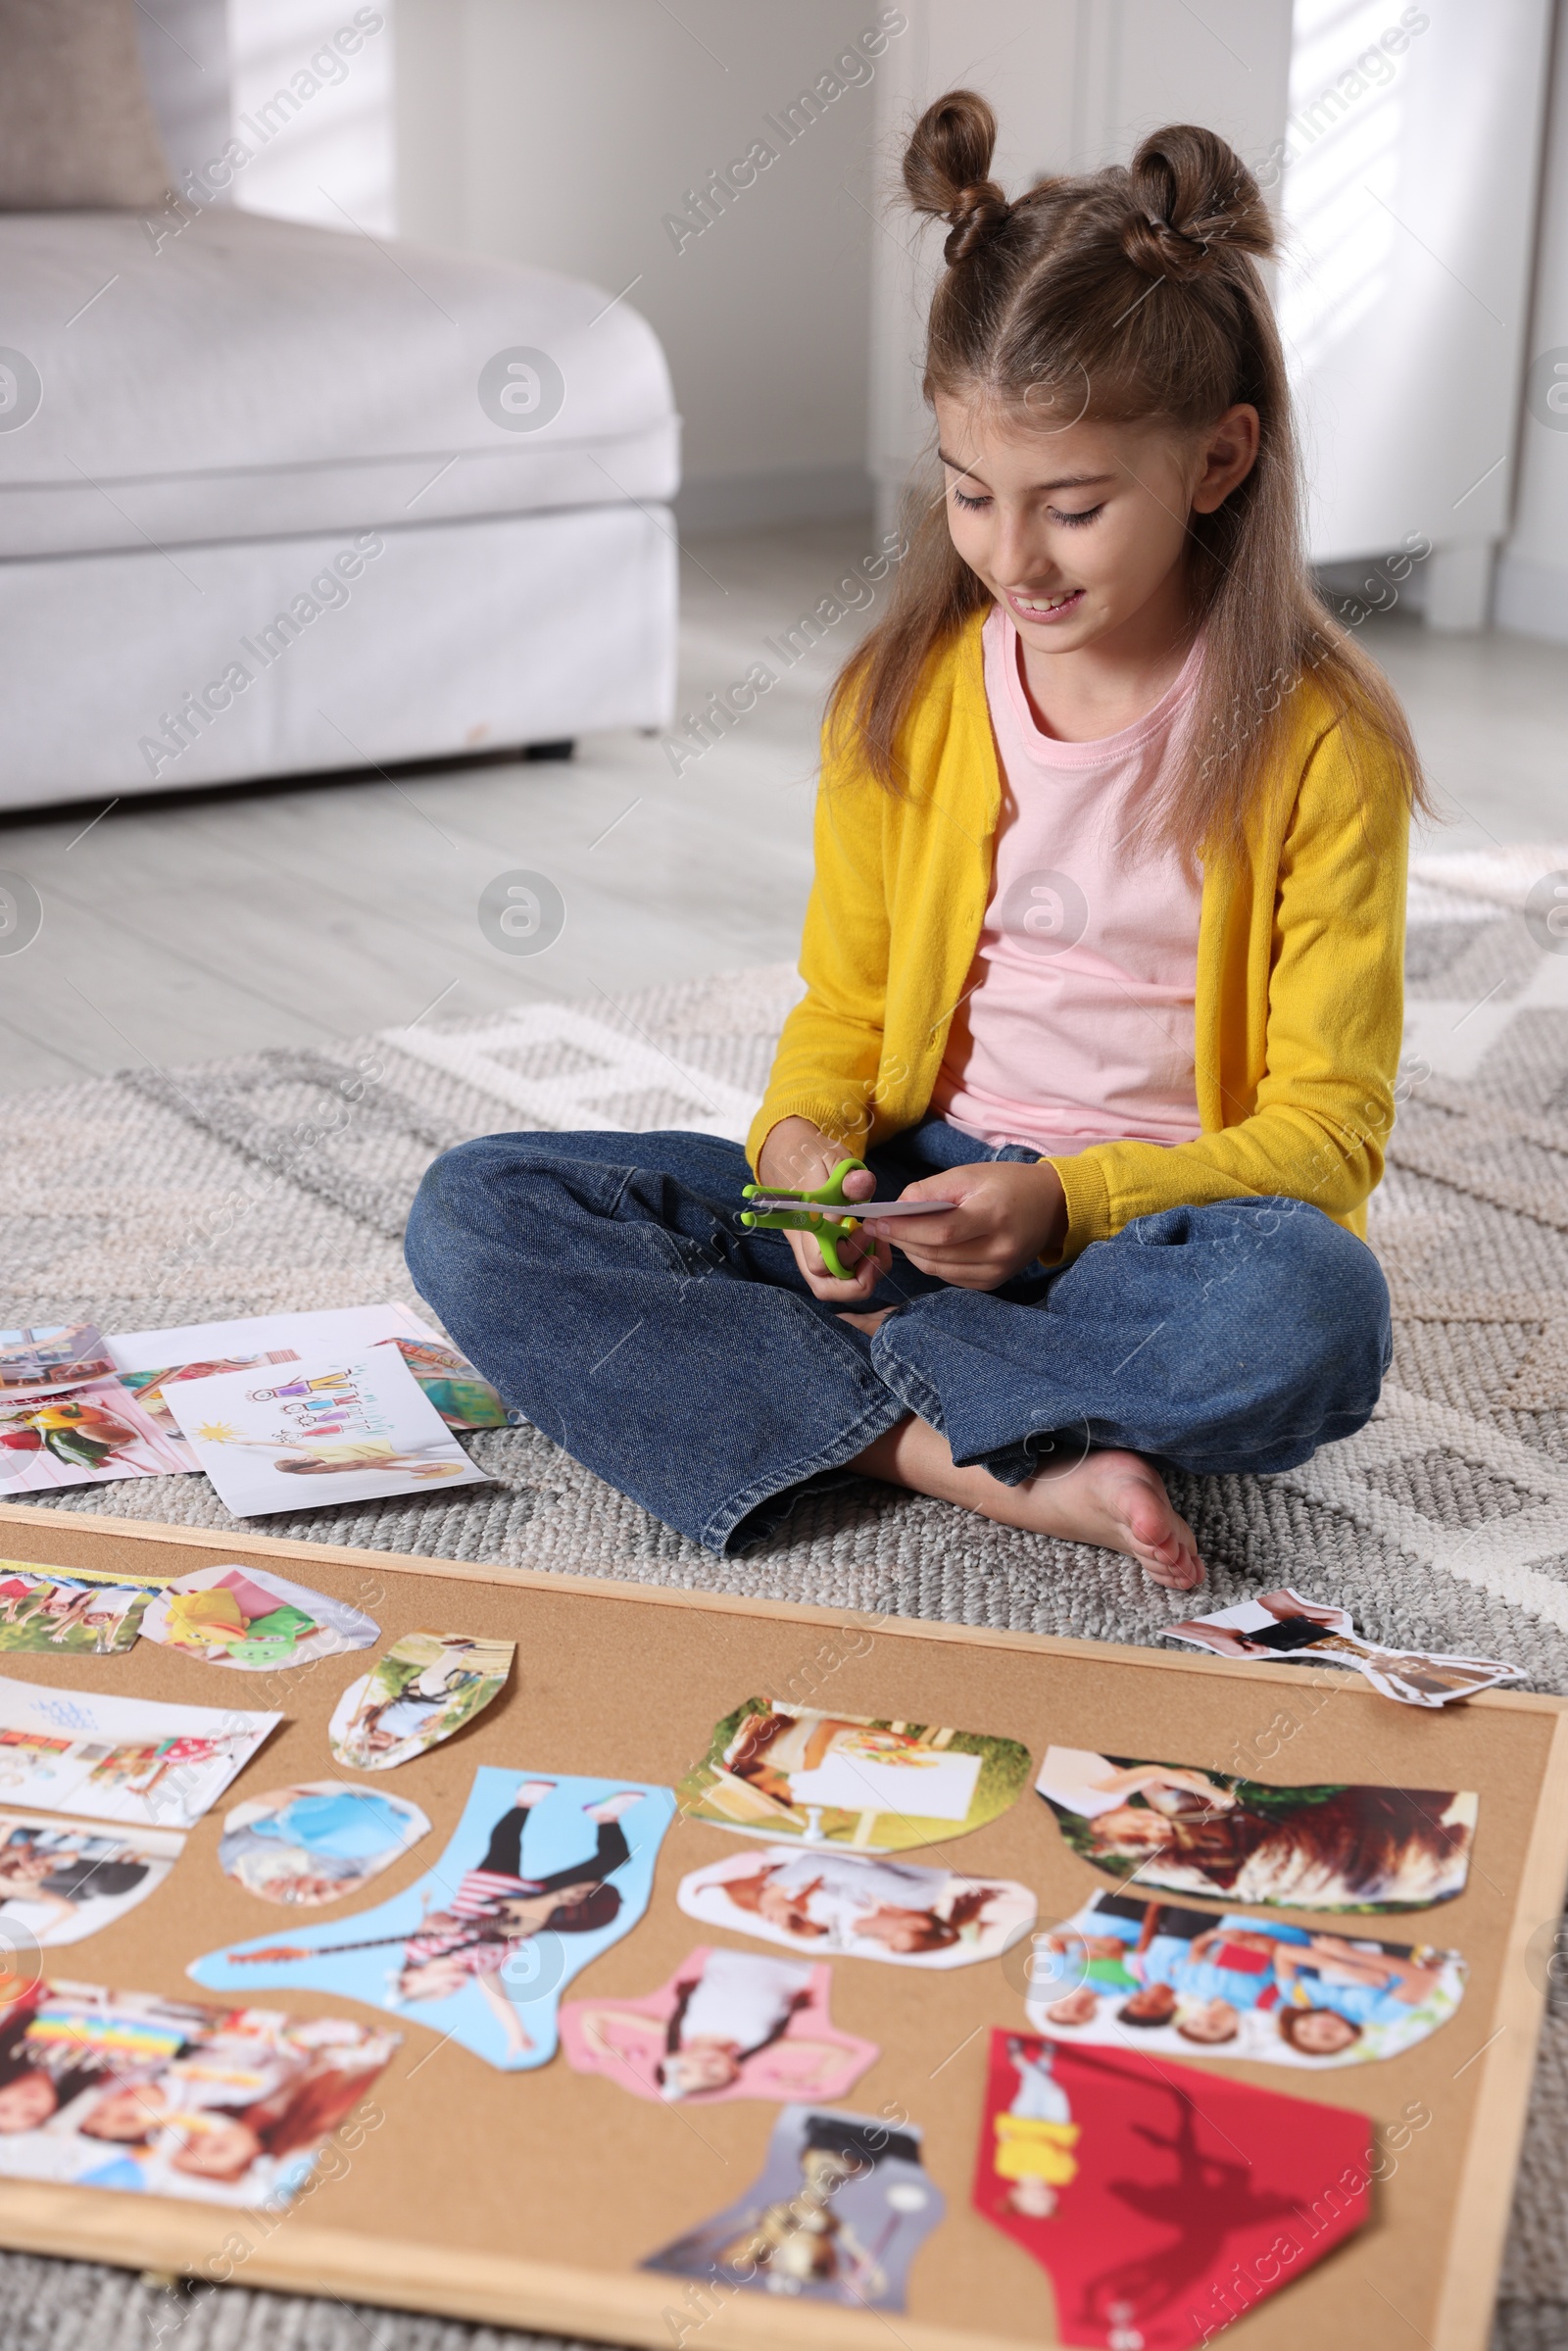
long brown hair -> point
(1128, 293)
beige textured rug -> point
(281, 1181)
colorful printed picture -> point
(163, 2097)
(137, 1760)
(1126, 1974)
(60, 1883)
(46, 1609)
(727, 2025)
(82, 1435)
(831, 1903)
(1337, 1847)
(147, 1387)
(427, 1686)
(542, 1876)
(266, 1338)
(255, 1619)
(843, 2205)
(316, 1842)
(317, 1432)
(52, 1356)
(1144, 2189)
(851, 1780)
(464, 1397)
(1283, 1624)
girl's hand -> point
(798, 1156)
(1005, 1214)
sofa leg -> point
(550, 751)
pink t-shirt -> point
(1078, 1024)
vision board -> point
(916, 2077)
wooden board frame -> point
(1430, 2254)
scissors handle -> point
(803, 1219)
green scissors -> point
(781, 1211)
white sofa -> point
(270, 515)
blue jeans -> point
(605, 1284)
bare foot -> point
(531, 1792)
(1115, 1500)
(871, 1323)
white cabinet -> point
(1401, 149)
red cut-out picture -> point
(1161, 2202)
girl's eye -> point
(974, 503)
(1085, 515)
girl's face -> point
(1079, 529)
(27, 2103)
(1322, 2032)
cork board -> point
(528, 2200)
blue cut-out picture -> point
(543, 1873)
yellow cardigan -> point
(1300, 1001)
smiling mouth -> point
(1043, 607)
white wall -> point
(1409, 204)
(1533, 575)
(311, 100)
(563, 133)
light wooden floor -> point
(220, 922)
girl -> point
(1103, 950)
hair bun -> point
(1193, 201)
(947, 168)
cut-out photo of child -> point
(831, 1904)
(1036, 2134)
(1124, 1972)
(539, 1878)
(427, 1686)
(124, 2090)
(43, 1611)
(727, 2025)
(1144, 2190)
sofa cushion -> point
(76, 126)
(245, 377)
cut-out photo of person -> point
(253, 1619)
(316, 1841)
(1339, 1846)
(542, 1874)
(835, 1904)
(727, 2025)
(427, 1686)
(1285, 1624)
(130, 2091)
(1132, 1974)
(843, 2205)
(46, 1612)
(1143, 2188)
(59, 1882)
(849, 1780)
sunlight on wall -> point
(313, 82)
